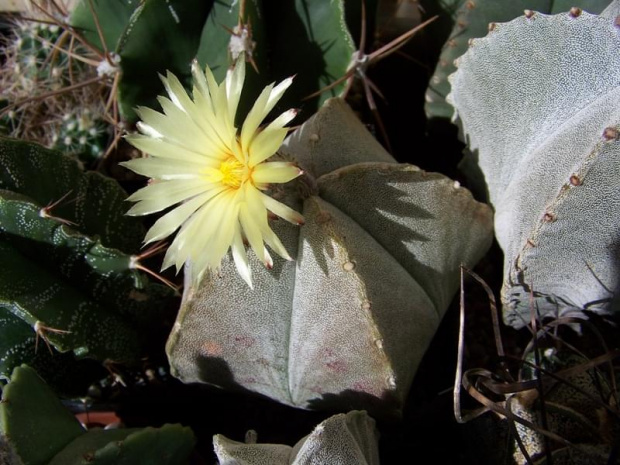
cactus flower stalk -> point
(215, 174)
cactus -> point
(136, 31)
(344, 439)
(472, 19)
(326, 328)
(535, 98)
(69, 276)
(38, 62)
(41, 431)
(574, 409)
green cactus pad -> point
(472, 20)
(79, 294)
(326, 331)
(95, 204)
(33, 419)
(536, 100)
(345, 439)
(113, 16)
(168, 445)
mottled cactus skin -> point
(377, 263)
(472, 19)
(42, 432)
(537, 102)
(68, 268)
(344, 439)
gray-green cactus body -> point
(472, 19)
(346, 439)
(377, 263)
(69, 278)
(40, 431)
(536, 99)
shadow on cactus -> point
(70, 280)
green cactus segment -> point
(63, 372)
(335, 125)
(168, 445)
(534, 98)
(92, 202)
(33, 419)
(324, 329)
(112, 15)
(434, 226)
(472, 21)
(346, 439)
(51, 302)
(321, 57)
(161, 36)
(308, 39)
(58, 279)
(215, 40)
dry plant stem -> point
(567, 321)
(456, 393)
(88, 82)
(542, 413)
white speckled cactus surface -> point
(538, 102)
(377, 264)
(344, 439)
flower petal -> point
(163, 149)
(162, 195)
(234, 86)
(265, 144)
(170, 222)
(256, 115)
(241, 258)
(275, 172)
(163, 168)
(282, 210)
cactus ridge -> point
(548, 150)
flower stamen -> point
(233, 172)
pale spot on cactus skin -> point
(529, 14)
(549, 217)
(366, 305)
(211, 348)
(531, 243)
(492, 27)
(471, 4)
(314, 137)
(348, 266)
(379, 343)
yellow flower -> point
(215, 173)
